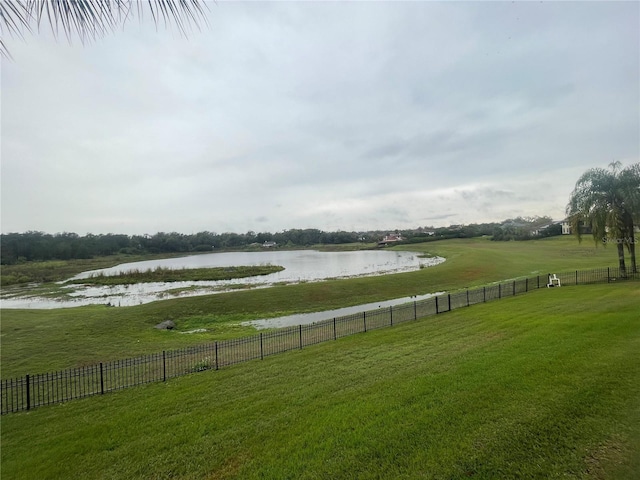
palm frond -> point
(630, 185)
(91, 19)
(608, 202)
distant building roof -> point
(391, 238)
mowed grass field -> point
(542, 385)
(38, 341)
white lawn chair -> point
(554, 281)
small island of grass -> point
(161, 274)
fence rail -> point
(30, 391)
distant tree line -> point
(526, 228)
(39, 246)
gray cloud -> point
(325, 115)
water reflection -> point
(300, 266)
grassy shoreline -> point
(59, 270)
(543, 385)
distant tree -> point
(525, 228)
(231, 240)
(263, 237)
(91, 19)
(608, 202)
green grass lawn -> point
(543, 385)
(37, 341)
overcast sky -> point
(334, 116)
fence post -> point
(335, 336)
(576, 277)
(300, 331)
(467, 297)
(101, 381)
(514, 288)
(261, 349)
(28, 392)
(526, 284)
(216, 349)
(437, 305)
(499, 291)
(364, 319)
(415, 310)
(449, 302)
(391, 314)
(164, 366)
(484, 294)
(538, 281)
(608, 275)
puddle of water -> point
(307, 318)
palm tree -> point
(630, 186)
(90, 19)
(607, 202)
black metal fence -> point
(25, 393)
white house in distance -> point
(567, 230)
(391, 238)
(541, 229)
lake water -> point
(299, 266)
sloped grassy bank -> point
(36, 341)
(543, 385)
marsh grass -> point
(162, 274)
(543, 385)
(59, 270)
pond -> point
(299, 266)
